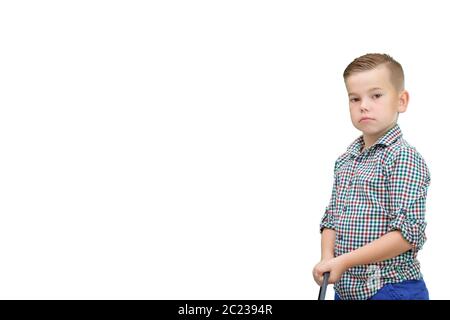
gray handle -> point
(323, 288)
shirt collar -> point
(387, 139)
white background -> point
(185, 149)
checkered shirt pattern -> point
(375, 191)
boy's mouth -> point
(365, 119)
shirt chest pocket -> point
(371, 180)
(370, 185)
(361, 183)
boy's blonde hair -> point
(371, 61)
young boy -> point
(374, 225)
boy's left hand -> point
(335, 266)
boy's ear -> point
(403, 101)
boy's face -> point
(372, 95)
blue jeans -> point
(405, 290)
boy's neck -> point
(367, 144)
(368, 141)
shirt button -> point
(351, 183)
(344, 208)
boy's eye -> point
(377, 95)
(354, 99)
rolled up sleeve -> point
(408, 185)
(327, 220)
(328, 217)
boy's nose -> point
(363, 105)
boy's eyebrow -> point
(371, 89)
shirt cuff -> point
(327, 221)
(413, 230)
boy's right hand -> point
(318, 271)
(335, 266)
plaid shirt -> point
(381, 189)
